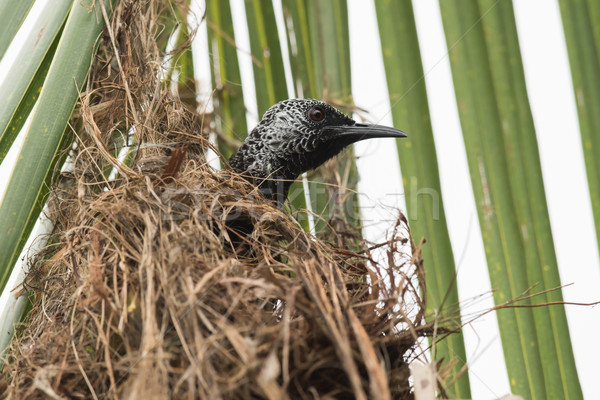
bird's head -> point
(298, 135)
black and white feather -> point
(295, 136)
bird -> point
(295, 136)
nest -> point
(150, 289)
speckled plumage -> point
(289, 141)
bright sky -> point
(551, 97)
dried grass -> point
(146, 292)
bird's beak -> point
(357, 132)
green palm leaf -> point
(418, 162)
(26, 189)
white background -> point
(553, 106)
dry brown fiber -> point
(144, 292)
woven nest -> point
(149, 290)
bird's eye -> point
(316, 114)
